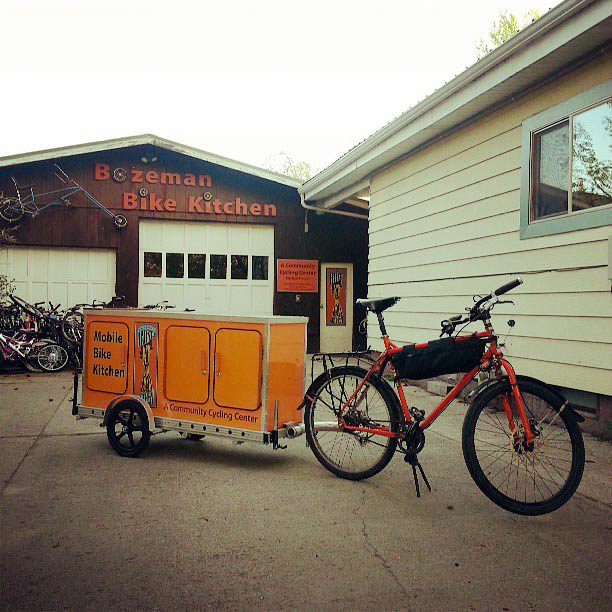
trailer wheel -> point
(127, 428)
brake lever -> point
(505, 302)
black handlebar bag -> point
(445, 356)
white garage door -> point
(211, 267)
(67, 276)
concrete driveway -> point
(213, 525)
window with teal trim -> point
(566, 180)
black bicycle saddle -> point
(379, 304)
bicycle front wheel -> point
(351, 455)
(525, 479)
(11, 209)
(52, 357)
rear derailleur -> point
(412, 444)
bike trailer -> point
(241, 377)
(444, 356)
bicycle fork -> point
(516, 394)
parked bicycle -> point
(29, 351)
(12, 208)
(44, 327)
(521, 441)
(73, 326)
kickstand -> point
(414, 462)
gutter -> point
(318, 209)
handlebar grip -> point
(508, 286)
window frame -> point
(573, 220)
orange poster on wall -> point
(145, 361)
(335, 284)
(297, 275)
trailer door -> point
(187, 364)
(238, 367)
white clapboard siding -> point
(485, 190)
(469, 165)
(562, 326)
(588, 304)
(497, 235)
(445, 224)
(426, 249)
(470, 177)
(459, 260)
(482, 210)
(582, 280)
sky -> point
(246, 80)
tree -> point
(591, 172)
(504, 29)
(285, 164)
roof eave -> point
(494, 70)
(148, 139)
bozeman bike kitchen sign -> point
(141, 195)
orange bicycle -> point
(521, 441)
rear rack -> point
(327, 359)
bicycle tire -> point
(11, 209)
(522, 480)
(52, 357)
(335, 450)
(73, 327)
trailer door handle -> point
(204, 362)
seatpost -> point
(381, 323)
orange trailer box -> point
(147, 371)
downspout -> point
(308, 207)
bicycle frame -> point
(492, 354)
(11, 347)
(28, 203)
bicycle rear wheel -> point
(351, 455)
(73, 327)
(523, 479)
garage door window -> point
(175, 265)
(153, 264)
(240, 267)
(260, 267)
(196, 265)
(218, 266)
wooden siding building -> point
(203, 232)
(452, 191)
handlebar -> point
(509, 286)
(499, 291)
(475, 312)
